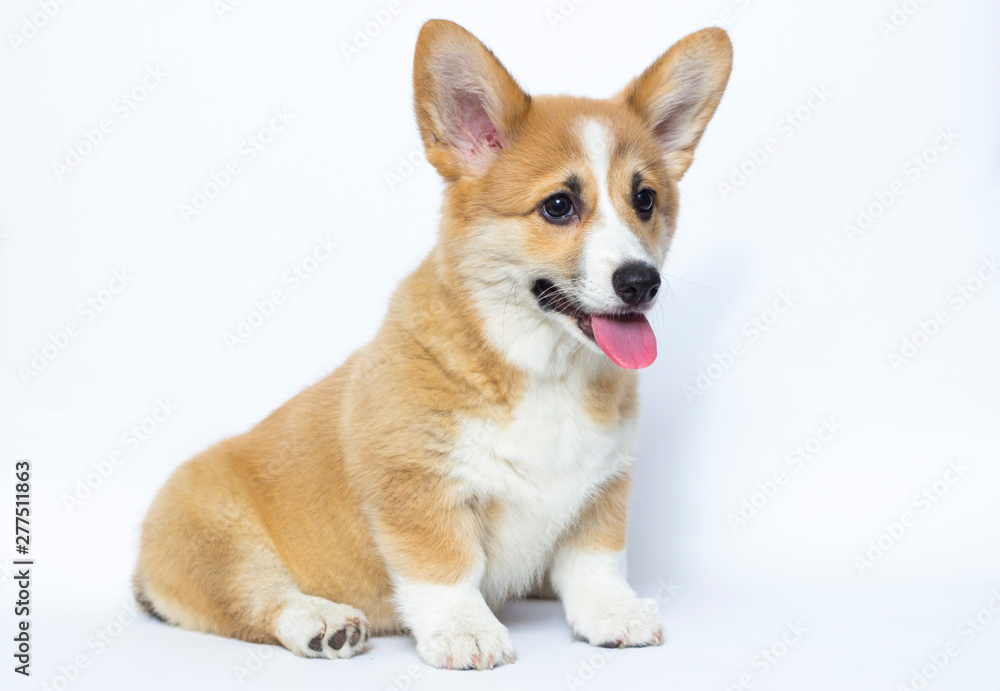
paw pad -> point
(338, 639)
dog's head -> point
(559, 210)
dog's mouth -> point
(626, 338)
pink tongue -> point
(629, 343)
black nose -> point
(636, 283)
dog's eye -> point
(644, 200)
(558, 207)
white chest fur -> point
(538, 470)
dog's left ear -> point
(678, 94)
(468, 106)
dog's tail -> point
(145, 604)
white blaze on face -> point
(609, 243)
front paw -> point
(631, 623)
(460, 649)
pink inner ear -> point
(476, 129)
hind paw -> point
(315, 627)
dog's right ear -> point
(677, 95)
(468, 106)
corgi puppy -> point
(479, 448)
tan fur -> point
(603, 521)
(350, 478)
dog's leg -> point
(207, 563)
(588, 573)
(453, 625)
(432, 544)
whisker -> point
(503, 327)
(678, 278)
(693, 242)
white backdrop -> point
(815, 503)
